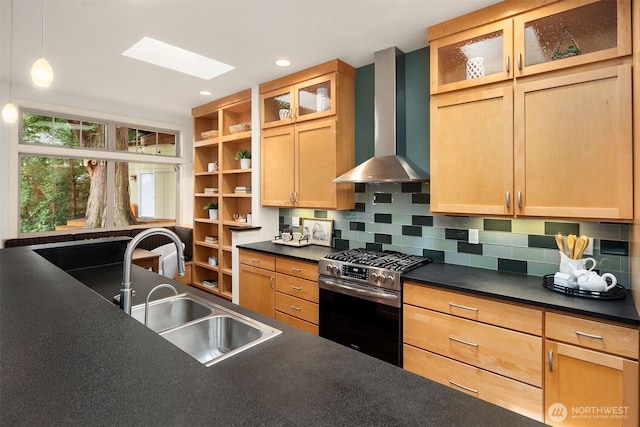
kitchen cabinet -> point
(279, 287)
(591, 372)
(503, 145)
(510, 40)
(305, 149)
(227, 123)
(481, 347)
(297, 293)
(523, 160)
(257, 282)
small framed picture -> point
(318, 231)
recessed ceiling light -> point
(174, 58)
(283, 62)
(205, 93)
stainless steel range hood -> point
(387, 165)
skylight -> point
(174, 58)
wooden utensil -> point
(571, 242)
(581, 245)
(560, 242)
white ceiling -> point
(84, 40)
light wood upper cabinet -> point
(519, 139)
(472, 152)
(469, 58)
(569, 33)
(304, 152)
(559, 35)
(569, 128)
(309, 100)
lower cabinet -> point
(279, 287)
(447, 339)
(565, 371)
(591, 372)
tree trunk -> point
(97, 202)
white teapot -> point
(591, 281)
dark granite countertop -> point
(307, 253)
(496, 284)
(523, 289)
(70, 357)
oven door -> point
(366, 325)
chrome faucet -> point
(126, 295)
(146, 304)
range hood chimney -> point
(386, 165)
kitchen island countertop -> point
(70, 357)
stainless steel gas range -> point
(361, 300)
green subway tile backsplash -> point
(406, 225)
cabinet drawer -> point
(510, 394)
(297, 323)
(301, 288)
(510, 316)
(297, 307)
(258, 259)
(593, 334)
(513, 354)
(302, 269)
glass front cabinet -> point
(560, 35)
(309, 100)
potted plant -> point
(245, 158)
(284, 110)
(213, 210)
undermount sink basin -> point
(206, 331)
(171, 312)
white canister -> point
(212, 167)
(475, 68)
(213, 260)
(323, 102)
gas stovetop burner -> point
(387, 260)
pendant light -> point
(41, 71)
(10, 112)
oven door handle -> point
(332, 284)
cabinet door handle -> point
(295, 196)
(519, 61)
(473, 390)
(271, 282)
(519, 199)
(584, 334)
(472, 344)
(550, 361)
(507, 199)
(296, 270)
(296, 288)
(291, 197)
(508, 63)
(464, 307)
(296, 308)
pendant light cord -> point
(42, 28)
(11, 52)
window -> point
(84, 173)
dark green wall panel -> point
(364, 113)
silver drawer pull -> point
(255, 260)
(297, 270)
(464, 307)
(584, 334)
(296, 288)
(550, 361)
(293, 307)
(472, 344)
(473, 390)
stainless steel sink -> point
(208, 332)
(171, 312)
